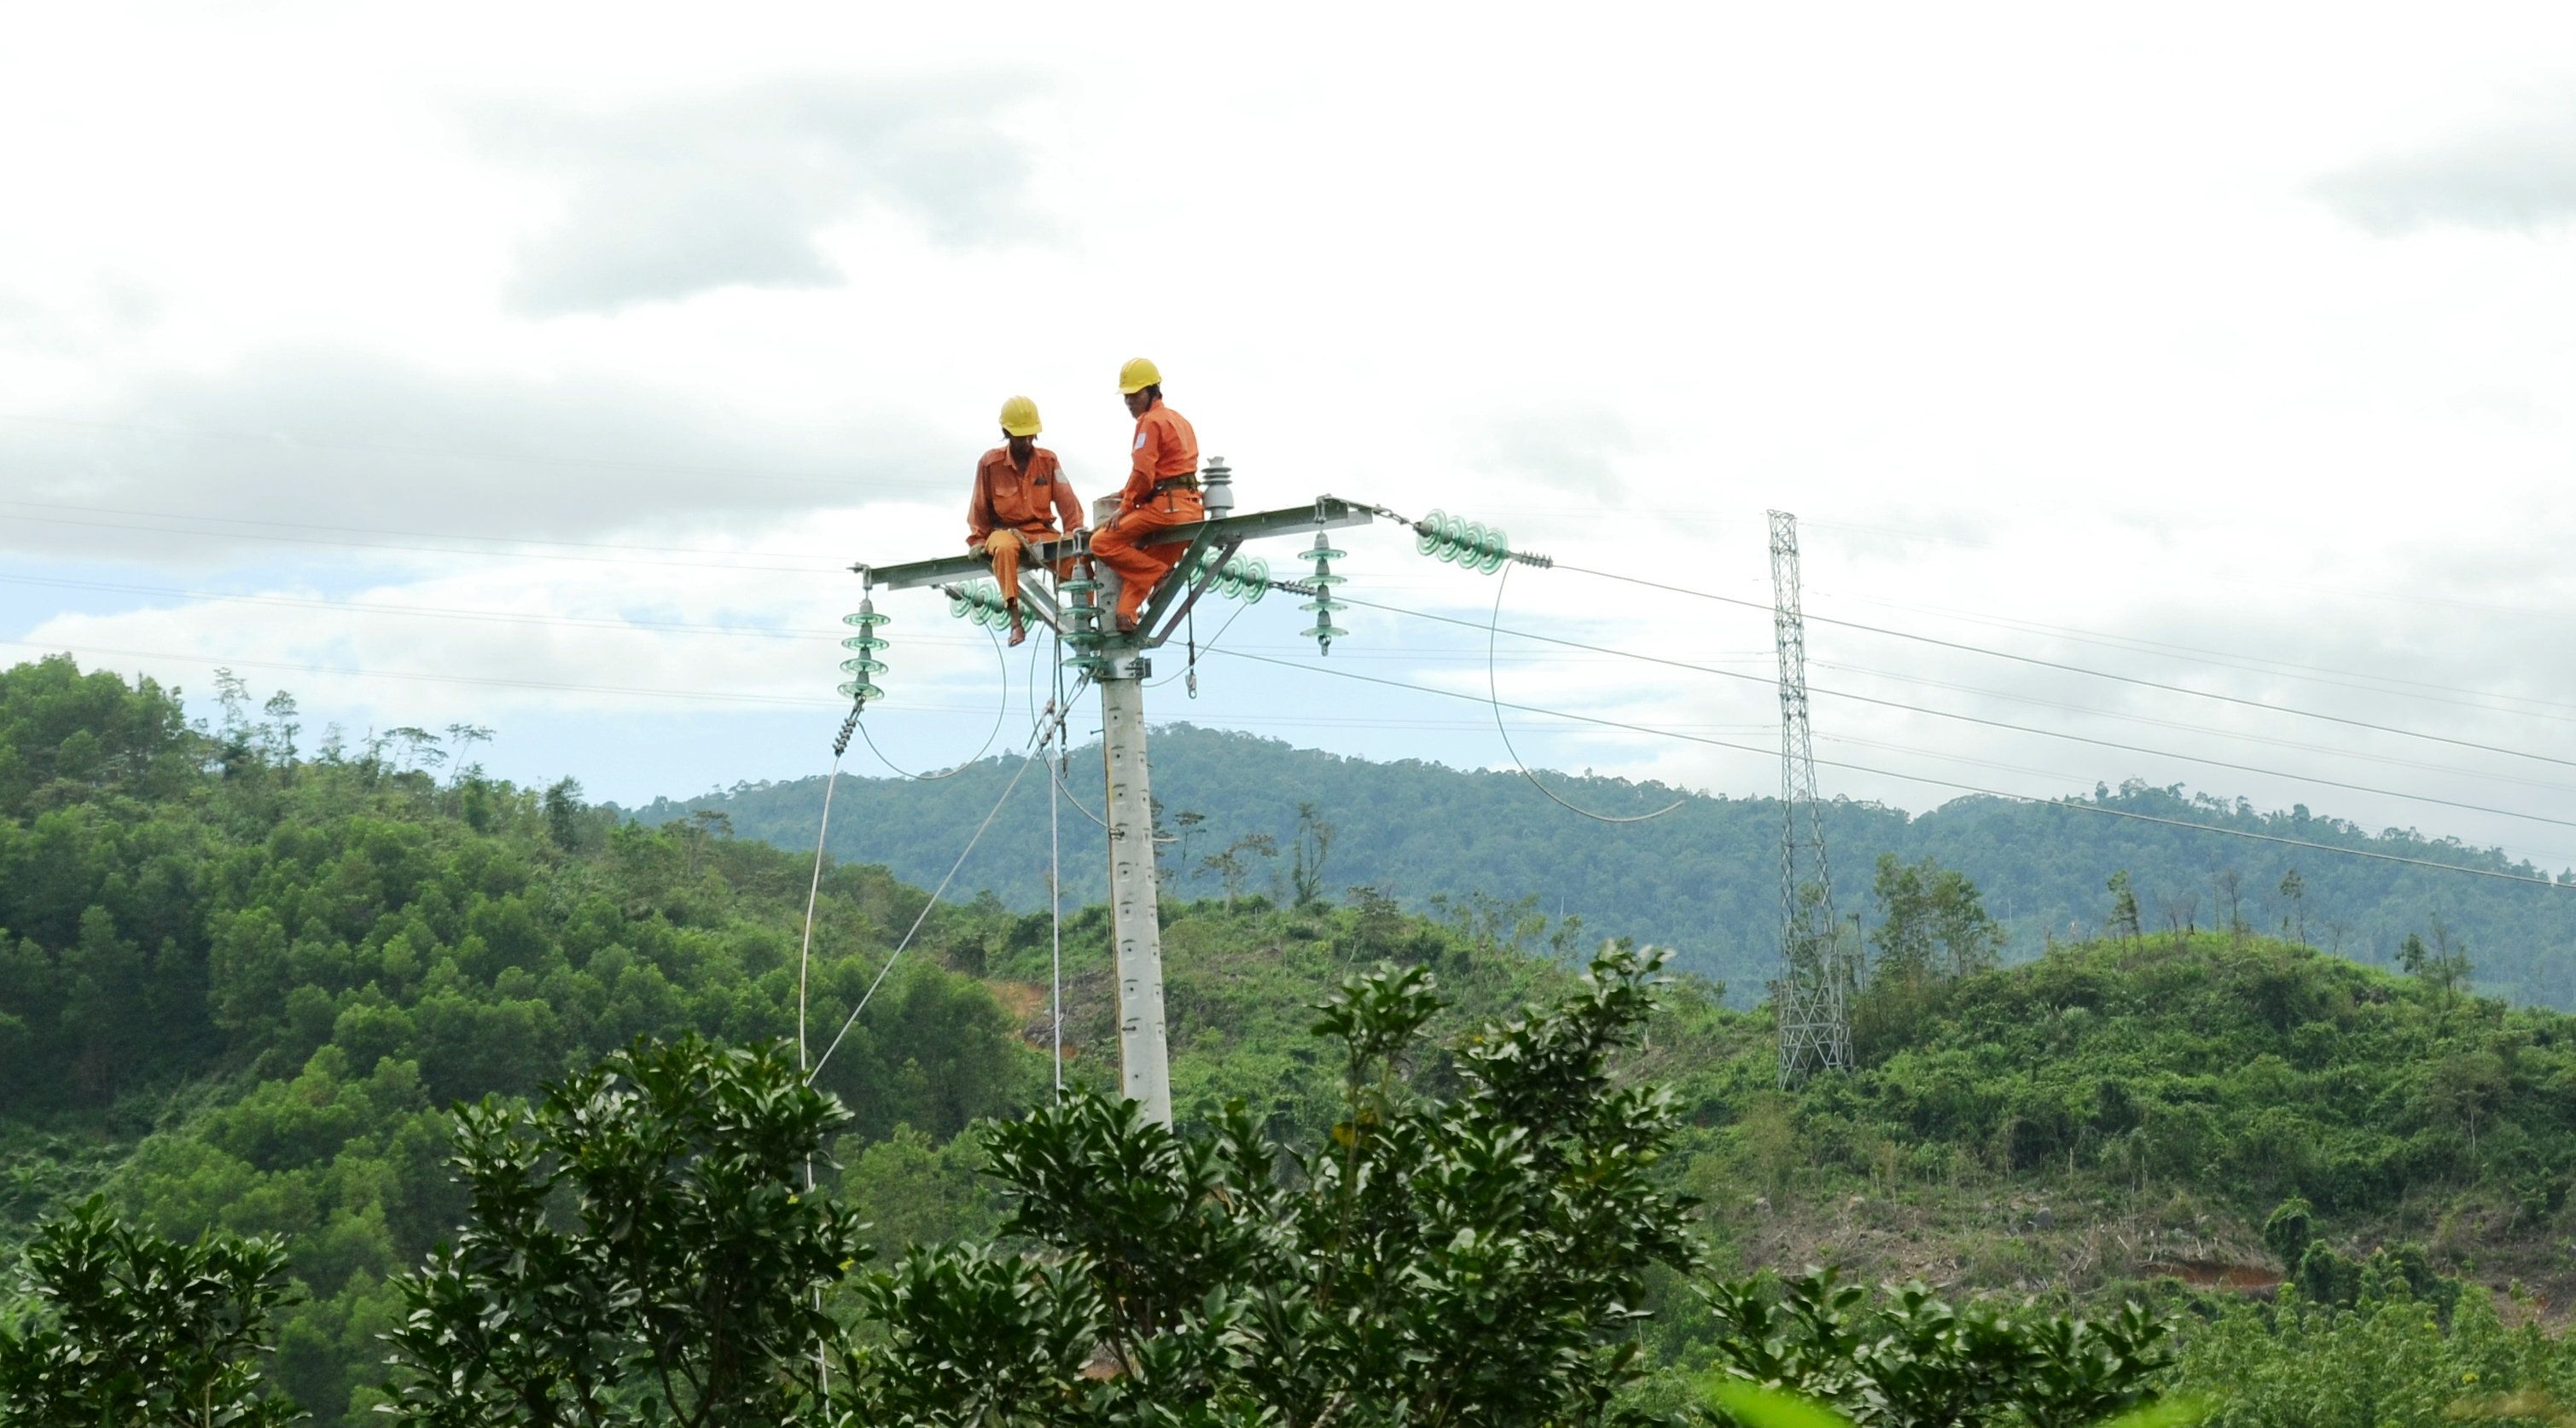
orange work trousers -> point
(1140, 567)
(1006, 545)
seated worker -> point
(1018, 490)
(1162, 490)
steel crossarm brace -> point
(1034, 592)
(1326, 513)
(1207, 576)
(1190, 564)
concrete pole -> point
(1136, 917)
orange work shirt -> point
(1165, 448)
(1006, 496)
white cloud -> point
(677, 197)
(2514, 177)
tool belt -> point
(1170, 483)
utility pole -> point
(1809, 1001)
(1078, 610)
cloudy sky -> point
(543, 367)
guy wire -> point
(1493, 700)
(1055, 879)
(814, 889)
(897, 954)
(805, 957)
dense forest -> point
(244, 980)
(1703, 880)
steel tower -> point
(1809, 1000)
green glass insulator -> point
(1453, 537)
(1326, 577)
(1323, 631)
(1327, 605)
(861, 689)
(1323, 555)
(863, 666)
(1077, 586)
(863, 642)
(958, 605)
(867, 617)
(1426, 536)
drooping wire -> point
(1000, 712)
(1494, 700)
(1191, 669)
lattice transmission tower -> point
(1817, 974)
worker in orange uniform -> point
(1162, 490)
(1019, 488)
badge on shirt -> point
(1140, 441)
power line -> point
(444, 612)
(778, 699)
(2124, 716)
(2095, 673)
(513, 541)
(2251, 664)
(1935, 782)
(2001, 724)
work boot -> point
(1126, 624)
(1019, 630)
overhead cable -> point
(511, 554)
(1991, 723)
(2251, 664)
(272, 440)
(2095, 673)
(1924, 779)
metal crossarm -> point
(1327, 513)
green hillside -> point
(241, 980)
(1703, 880)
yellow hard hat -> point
(1020, 417)
(1137, 375)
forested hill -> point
(240, 982)
(1704, 879)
